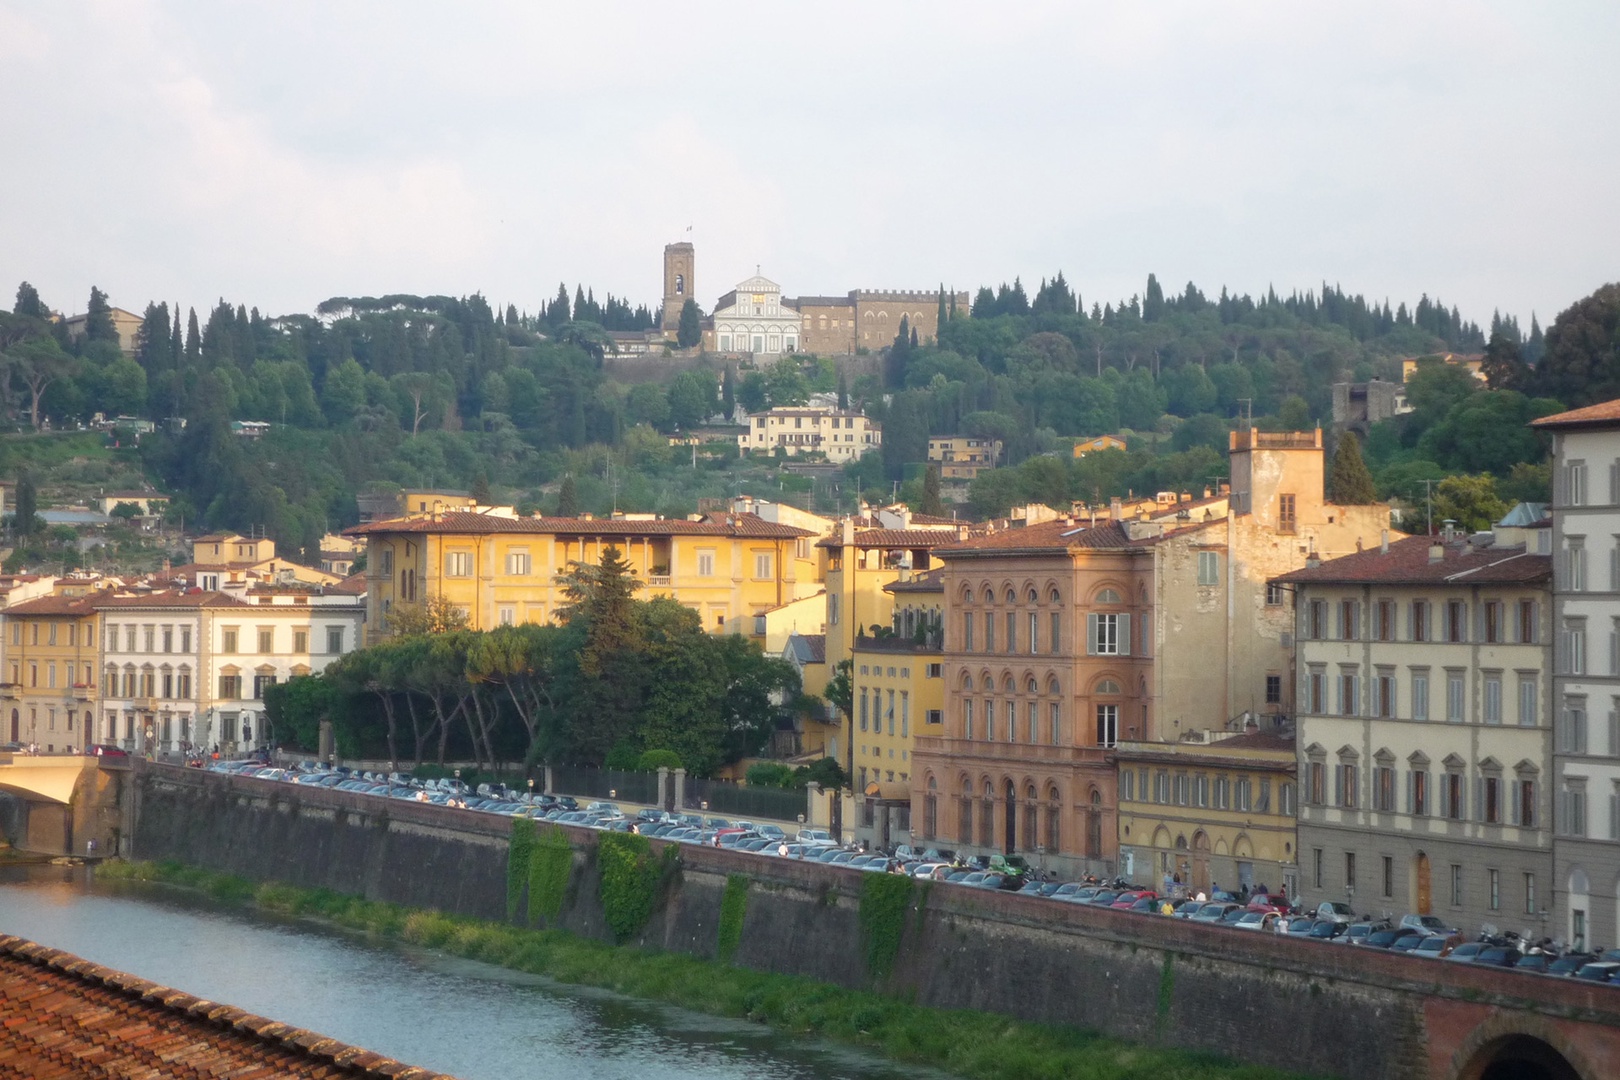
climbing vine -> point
(1167, 988)
(733, 906)
(631, 879)
(518, 852)
(551, 860)
(884, 899)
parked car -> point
(814, 838)
(1258, 920)
(1269, 902)
(1599, 971)
(1499, 956)
(1431, 924)
(1570, 963)
(1303, 927)
(772, 832)
(1437, 946)
(1466, 953)
(1537, 962)
(1327, 929)
(1214, 911)
(1332, 909)
(1386, 939)
(1358, 932)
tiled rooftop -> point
(1603, 414)
(742, 525)
(1407, 562)
(63, 1017)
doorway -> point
(1200, 862)
(16, 732)
(1420, 876)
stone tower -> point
(679, 263)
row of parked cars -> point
(1422, 936)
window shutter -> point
(1411, 784)
(1560, 813)
(1124, 635)
(1614, 817)
(1516, 793)
(1479, 622)
(1146, 641)
(1091, 634)
(1580, 731)
(1560, 485)
(1338, 785)
(1479, 798)
(1561, 657)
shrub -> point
(653, 760)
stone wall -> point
(1303, 1006)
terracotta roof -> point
(1407, 563)
(54, 605)
(929, 581)
(64, 1017)
(809, 648)
(187, 599)
(894, 538)
(743, 525)
(354, 583)
(1050, 536)
(1603, 414)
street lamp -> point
(531, 791)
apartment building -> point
(1424, 730)
(50, 663)
(963, 457)
(1586, 681)
(501, 569)
(899, 693)
(843, 435)
(1216, 809)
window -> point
(1054, 642)
(967, 631)
(762, 565)
(185, 639)
(1384, 620)
(905, 714)
(1493, 883)
(1273, 689)
(1054, 717)
(1456, 614)
(1317, 860)
(1348, 783)
(1316, 691)
(1524, 802)
(1492, 800)
(1108, 635)
(1455, 697)
(1418, 790)
(1183, 789)
(1287, 514)
(267, 640)
(1107, 725)
(1161, 787)
(230, 687)
(1034, 631)
(1528, 622)
(1287, 803)
(1575, 564)
(1575, 483)
(1572, 644)
(1493, 698)
(385, 561)
(458, 564)
(1201, 790)
(1420, 693)
(1384, 694)
(227, 641)
(1350, 869)
(1012, 631)
(1274, 594)
(865, 710)
(1420, 620)
(1245, 794)
(507, 615)
(705, 563)
(1570, 733)
(1494, 632)
(1127, 786)
(1223, 793)
(1384, 788)
(1209, 568)
(517, 563)
(935, 716)
(148, 637)
(1349, 620)
(1529, 894)
(1315, 784)
(1451, 794)
(967, 718)
(1527, 701)
(182, 684)
(1349, 687)
(1316, 620)
(260, 683)
(1389, 877)
(1456, 885)
(334, 640)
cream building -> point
(1424, 730)
(842, 435)
(752, 319)
(1586, 694)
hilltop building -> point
(843, 435)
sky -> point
(279, 153)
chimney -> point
(1437, 552)
(1383, 543)
(1312, 561)
(1116, 508)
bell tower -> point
(679, 263)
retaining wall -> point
(1304, 1006)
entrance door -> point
(1010, 831)
(1200, 866)
(1421, 874)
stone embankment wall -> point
(1304, 1006)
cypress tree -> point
(558, 313)
(932, 503)
(28, 302)
(193, 341)
(98, 324)
(843, 389)
(728, 393)
(943, 316)
(1350, 484)
(27, 506)
(690, 330)
(567, 498)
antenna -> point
(1428, 498)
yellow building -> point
(1101, 442)
(963, 457)
(899, 694)
(501, 569)
(1215, 810)
(50, 667)
(226, 560)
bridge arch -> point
(1518, 1047)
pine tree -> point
(932, 503)
(1350, 483)
(557, 313)
(568, 498)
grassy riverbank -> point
(981, 1046)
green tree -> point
(1349, 483)
(1503, 366)
(751, 392)
(98, 323)
(26, 515)
(728, 393)
(1581, 364)
(608, 693)
(689, 331)
(29, 303)
(932, 503)
(38, 363)
(344, 393)
(568, 498)
(785, 382)
(1470, 501)
(1294, 414)
(480, 489)
(691, 399)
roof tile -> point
(742, 525)
(1407, 562)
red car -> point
(1275, 902)
(1126, 899)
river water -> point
(472, 1020)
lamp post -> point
(531, 791)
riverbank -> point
(979, 1046)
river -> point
(472, 1020)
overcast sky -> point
(280, 153)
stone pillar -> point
(548, 789)
(680, 790)
(663, 786)
(812, 799)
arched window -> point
(967, 682)
(1030, 686)
(1094, 826)
(1106, 686)
(1012, 598)
(1054, 807)
(1107, 596)
(1033, 597)
(1054, 597)
(989, 595)
(987, 820)
(965, 829)
(1031, 810)
(931, 811)
(1007, 683)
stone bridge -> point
(1311, 1007)
(62, 804)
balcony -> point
(10, 691)
(82, 691)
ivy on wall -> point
(551, 861)
(1167, 989)
(884, 899)
(733, 906)
(519, 850)
(630, 880)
